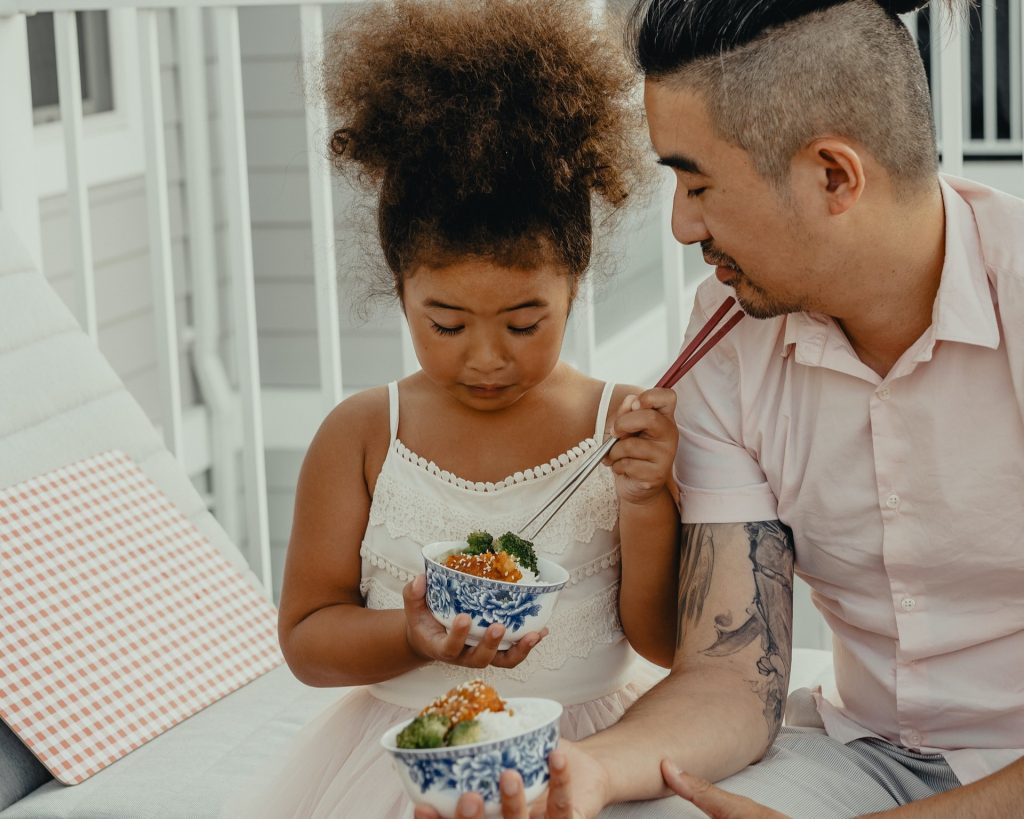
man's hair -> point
(776, 74)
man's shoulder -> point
(999, 217)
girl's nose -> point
(486, 354)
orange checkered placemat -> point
(118, 618)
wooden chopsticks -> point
(691, 354)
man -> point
(869, 428)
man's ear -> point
(834, 171)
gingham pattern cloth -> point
(118, 618)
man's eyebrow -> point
(681, 163)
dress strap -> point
(602, 411)
(393, 409)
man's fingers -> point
(715, 802)
(513, 796)
(470, 806)
(425, 812)
(559, 802)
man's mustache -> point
(716, 258)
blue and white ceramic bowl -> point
(519, 607)
(438, 776)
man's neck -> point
(900, 271)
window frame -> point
(111, 140)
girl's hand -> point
(642, 460)
(429, 639)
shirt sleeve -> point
(719, 478)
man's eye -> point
(525, 331)
(440, 329)
(693, 194)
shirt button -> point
(884, 393)
(892, 501)
(908, 603)
(915, 738)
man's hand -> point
(715, 802)
(576, 796)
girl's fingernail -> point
(509, 785)
(636, 405)
(558, 761)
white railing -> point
(19, 202)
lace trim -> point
(404, 512)
(543, 470)
(574, 632)
(599, 564)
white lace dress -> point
(336, 767)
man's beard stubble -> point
(755, 300)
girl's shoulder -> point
(359, 424)
(593, 388)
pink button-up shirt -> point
(905, 494)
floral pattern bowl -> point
(438, 776)
(520, 607)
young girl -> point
(484, 128)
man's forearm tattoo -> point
(769, 617)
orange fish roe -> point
(491, 565)
(466, 701)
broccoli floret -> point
(521, 550)
(465, 733)
(426, 731)
(479, 542)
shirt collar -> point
(963, 310)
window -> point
(93, 59)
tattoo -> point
(770, 615)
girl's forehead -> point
(485, 283)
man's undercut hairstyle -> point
(777, 74)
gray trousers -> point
(808, 775)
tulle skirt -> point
(336, 769)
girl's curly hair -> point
(483, 126)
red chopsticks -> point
(691, 354)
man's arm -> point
(722, 704)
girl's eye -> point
(440, 329)
(525, 331)
(693, 194)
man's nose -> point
(687, 219)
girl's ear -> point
(833, 170)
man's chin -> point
(756, 305)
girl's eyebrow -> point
(442, 306)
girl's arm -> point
(327, 635)
(648, 522)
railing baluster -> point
(239, 246)
(953, 90)
(989, 94)
(213, 381)
(159, 230)
(69, 87)
(673, 275)
(325, 265)
(19, 202)
(1015, 36)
